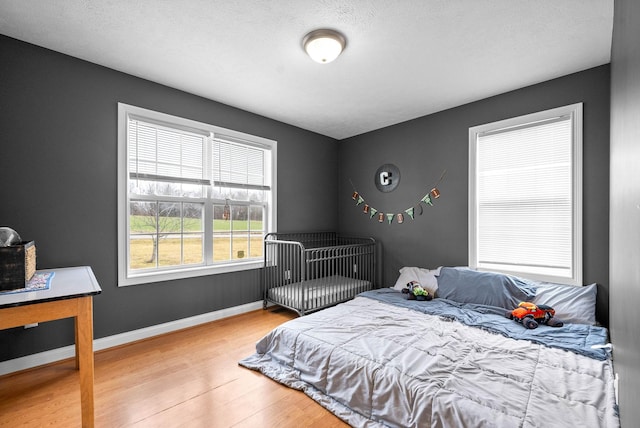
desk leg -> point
(84, 358)
(77, 341)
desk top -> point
(67, 283)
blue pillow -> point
(483, 288)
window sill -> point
(170, 275)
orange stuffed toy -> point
(530, 315)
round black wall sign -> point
(387, 177)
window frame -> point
(575, 112)
(209, 267)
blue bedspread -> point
(578, 338)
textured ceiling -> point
(404, 58)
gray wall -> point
(424, 147)
(58, 124)
(625, 205)
(58, 187)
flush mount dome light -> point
(323, 45)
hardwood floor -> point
(189, 378)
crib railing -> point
(314, 270)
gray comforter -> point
(379, 360)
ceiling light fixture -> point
(324, 45)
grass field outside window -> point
(232, 240)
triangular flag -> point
(409, 212)
(427, 199)
(372, 212)
(390, 217)
(360, 200)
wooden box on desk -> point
(17, 265)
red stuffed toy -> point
(530, 315)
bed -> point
(307, 272)
(383, 360)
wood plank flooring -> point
(188, 378)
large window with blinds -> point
(194, 199)
(525, 195)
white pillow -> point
(573, 304)
(424, 277)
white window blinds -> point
(238, 165)
(159, 153)
(525, 206)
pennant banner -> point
(427, 199)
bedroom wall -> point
(58, 127)
(424, 147)
(625, 205)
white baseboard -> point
(47, 357)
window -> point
(194, 199)
(525, 195)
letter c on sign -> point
(387, 177)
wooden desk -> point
(70, 295)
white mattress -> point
(317, 293)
